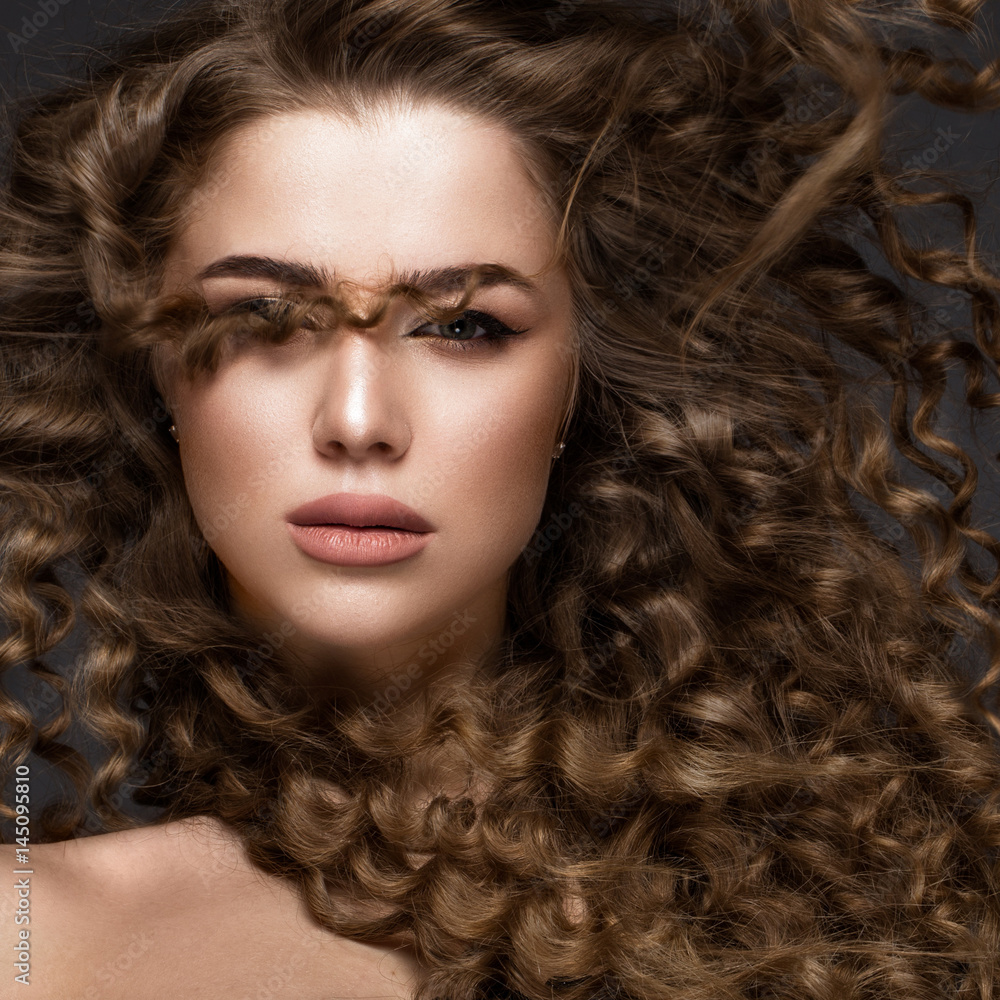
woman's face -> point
(462, 432)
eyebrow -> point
(290, 272)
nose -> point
(361, 408)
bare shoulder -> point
(168, 860)
(140, 857)
(177, 909)
(84, 908)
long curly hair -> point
(739, 738)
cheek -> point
(494, 452)
(227, 456)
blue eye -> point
(461, 332)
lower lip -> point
(343, 545)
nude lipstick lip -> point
(358, 529)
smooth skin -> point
(463, 436)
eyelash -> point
(497, 333)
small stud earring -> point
(559, 450)
(172, 431)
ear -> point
(165, 368)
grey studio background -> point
(44, 41)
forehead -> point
(403, 188)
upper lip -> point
(360, 510)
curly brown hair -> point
(737, 739)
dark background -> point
(63, 28)
(42, 41)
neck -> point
(389, 673)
